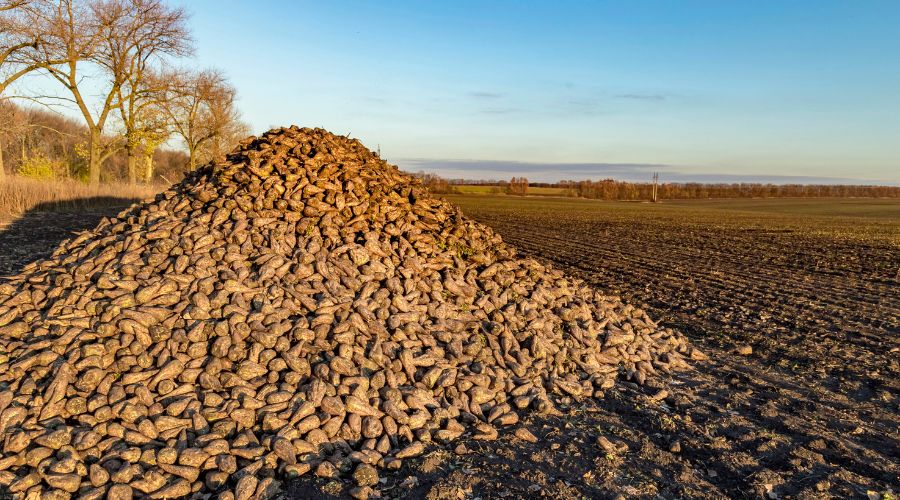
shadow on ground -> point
(36, 233)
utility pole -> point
(655, 192)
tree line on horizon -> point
(114, 64)
(613, 190)
(609, 189)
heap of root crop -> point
(300, 305)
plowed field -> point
(810, 286)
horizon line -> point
(555, 172)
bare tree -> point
(117, 36)
(20, 36)
(72, 34)
(517, 186)
(222, 143)
(146, 125)
(158, 31)
(203, 112)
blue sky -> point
(755, 89)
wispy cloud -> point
(500, 111)
(373, 100)
(584, 106)
(642, 97)
(484, 94)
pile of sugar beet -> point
(299, 306)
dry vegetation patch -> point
(20, 195)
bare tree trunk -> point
(2, 166)
(191, 159)
(148, 168)
(131, 161)
(94, 159)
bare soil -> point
(812, 412)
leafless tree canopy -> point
(130, 46)
(120, 37)
(137, 43)
(22, 35)
(202, 110)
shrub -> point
(41, 168)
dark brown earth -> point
(812, 412)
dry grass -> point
(19, 195)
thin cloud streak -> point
(483, 94)
(642, 97)
(500, 111)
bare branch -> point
(202, 109)
(21, 36)
(121, 38)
